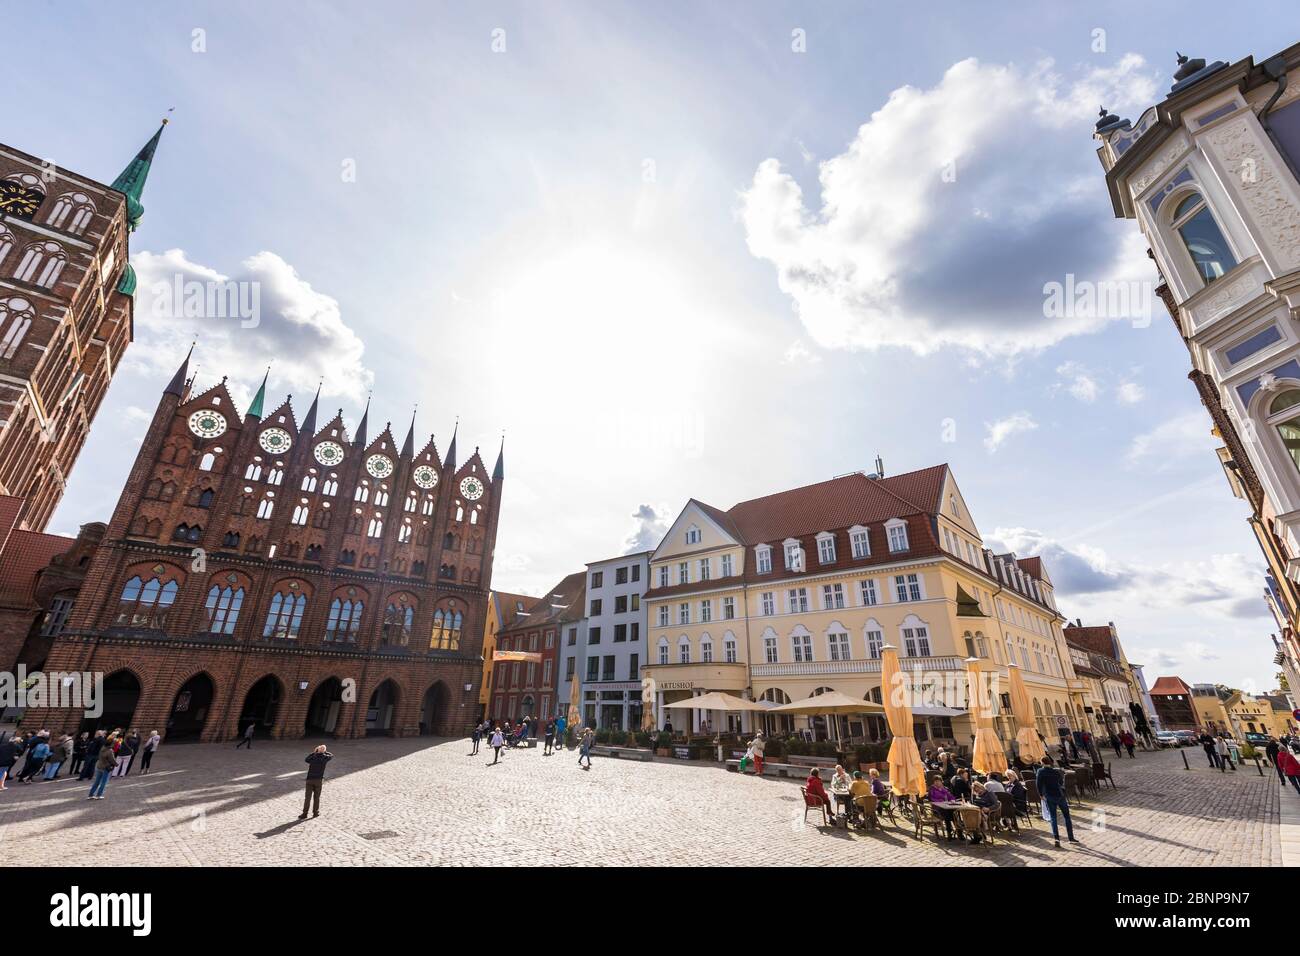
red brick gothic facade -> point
(260, 571)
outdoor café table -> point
(843, 798)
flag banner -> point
(533, 656)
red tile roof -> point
(1096, 639)
(1031, 566)
(25, 553)
(1170, 685)
(562, 603)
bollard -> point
(1184, 755)
(1259, 766)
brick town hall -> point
(256, 568)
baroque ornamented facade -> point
(1212, 177)
(258, 570)
(65, 315)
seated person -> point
(940, 794)
(1019, 795)
(858, 787)
(877, 785)
(994, 783)
(960, 785)
(929, 761)
(816, 790)
(988, 804)
(839, 779)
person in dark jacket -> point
(1272, 750)
(1051, 787)
(133, 742)
(316, 761)
(78, 753)
(1208, 743)
(10, 748)
(959, 785)
(93, 747)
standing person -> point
(1234, 752)
(1207, 742)
(561, 727)
(104, 764)
(124, 755)
(150, 748)
(550, 738)
(1115, 744)
(668, 727)
(37, 754)
(475, 736)
(1129, 742)
(93, 747)
(1051, 787)
(1273, 750)
(10, 748)
(133, 743)
(1223, 754)
(757, 745)
(588, 738)
(1291, 767)
(78, 753)
(316, 761)
(497, 742)
(247, 740)
(58, 754)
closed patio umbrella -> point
(906, 772)
(1031, 748)
(575, 712)
(988, 754)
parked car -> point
(1257, 739)
(1188, 737)
(1167, 738)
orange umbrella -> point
(575, 712)
(988, 754)
(906, 772)
(1031, 748)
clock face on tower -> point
(329, 453)
(425, 476)
(207, 423)
(472, 489)
(275, 440)
(379, 465)
(19, 200)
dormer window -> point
(693, 535)
(897, 532)
(1202, 238)
(826, 548)
(861, 541)
(763, 558)
(793, 555)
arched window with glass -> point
(344, 620)
(145, 603)
(398, 618)
(284, 616)
(1202, 238)
(223, 606)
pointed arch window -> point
(375, 529)
(427, 507)
(15, 319)
(331, 487)
(253, 472)
(412, 500)
(300, 515)
(265, 507)
(207, 462)
(73, 212)
(145, 602)
(398, 619)
(381, 496)
(223, 606)
(362, 493)
(41, 264)
(284, 616)
(403, 533)
(446, 630)
(275, 476)
(308, 482)
(344, 620)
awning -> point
(967, 606)
(935, 711)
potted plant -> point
(664, 744)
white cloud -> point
(1130, 393)
(274, 317)
(1170, 441)
(1079, 382)
(952, 206)
(651, 524)
(1002, 429)
(798, 352)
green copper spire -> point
(255, 410)
(131, 182)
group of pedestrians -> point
(508, 736)
(1221, 750)
(99, 756)
(1281, 753)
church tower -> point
(65, 314)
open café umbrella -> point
(906, 772)
(988, 754)
(1031, 748)
(716, 700)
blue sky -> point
(672, 256)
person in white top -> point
(498, 741)
(994, 783)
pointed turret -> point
(450, 463)
(177, 385)
(408, 446)
(309, 423)
(499, 470)
(360, 440)
(255, 409)
(131, 180)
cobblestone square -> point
(426, 802)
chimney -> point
(880, 467)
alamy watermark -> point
(81, 690)
(185, 298)
(1108, 299)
